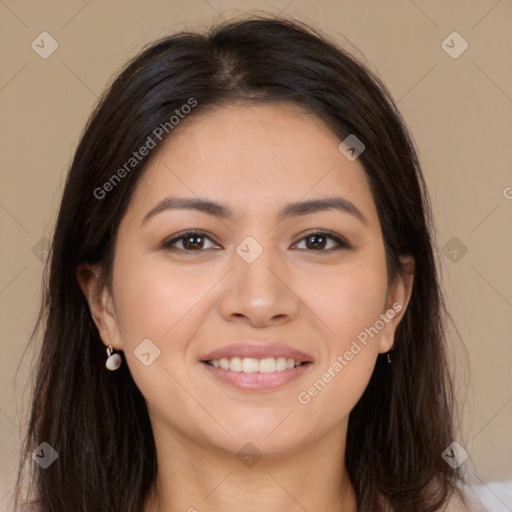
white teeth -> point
(254, 365)
(267, 365)
(281, 364)
(249, 365)
(235, 365)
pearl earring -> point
(113, 360)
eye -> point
(318, 240)
(191, 241)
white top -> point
(495, 496)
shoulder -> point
(466, 501)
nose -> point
(260, 293)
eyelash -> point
(342, 244)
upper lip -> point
(258, 350)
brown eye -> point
(190, 241)
(318, 241)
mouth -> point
(250, 374)
(256, 365)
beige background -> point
(458, 110)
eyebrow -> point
(291, 210)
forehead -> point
(255, 158)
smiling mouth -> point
(256, 365)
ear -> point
(100, 304)
(397, 300)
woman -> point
(243, 305)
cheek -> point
(349, 306)
(348, 299)
(335, 389)
(152, 301)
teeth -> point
(249, 365)
(281, 364)
(267, 365)
(253, 365)
(235, 365)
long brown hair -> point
(96, 420)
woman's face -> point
(262, 288)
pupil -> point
(195, 242)
(316, 243)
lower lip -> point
(257, 381)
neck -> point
(206, 479)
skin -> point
(254, 159)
